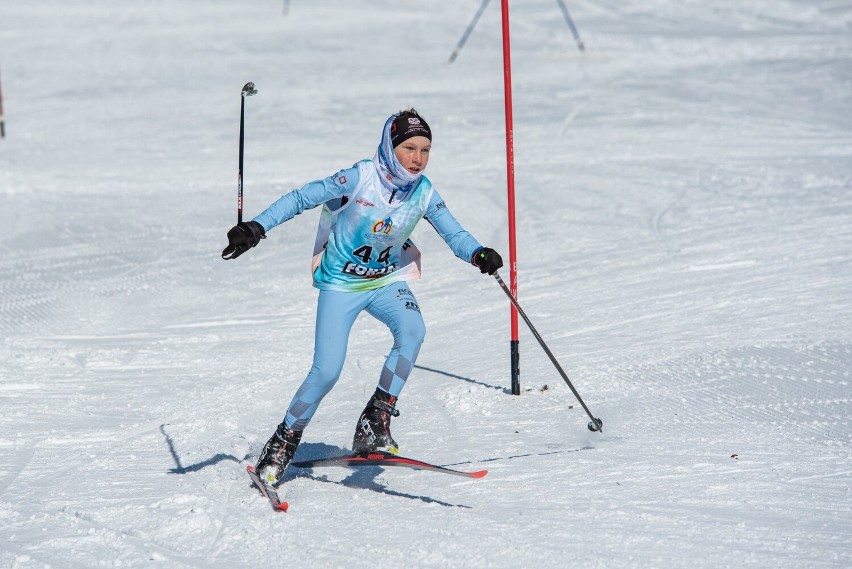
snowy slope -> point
(684, 195)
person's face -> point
(413, 153)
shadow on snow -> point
(467, 379)
(181, 469)
(362, 477)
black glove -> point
(488, 260)
(242, 237)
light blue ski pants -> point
(395, 306)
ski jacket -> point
(363, 236)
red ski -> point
(267, 490)
(384, 459)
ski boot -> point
(277, 453)
(372, 433)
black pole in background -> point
(2, 120)
(470, 27)
(468, 31)
(580, 45)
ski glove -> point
(242, 237)
(488, 260)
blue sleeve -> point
(454, 235)
(308, 196)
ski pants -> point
(395, 306)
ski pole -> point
(468, 31)
(595, 424)
(248, 91)
(571, 25)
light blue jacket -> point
(333, 271)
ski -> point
(384, 459)
(269, 491)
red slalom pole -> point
(510, 180)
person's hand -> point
(242, 237)
(488, 260)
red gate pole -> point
(510, 179)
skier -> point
(362, 259)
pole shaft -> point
(570, 22)
(240, 173)
(468, 31)
(510, 182)
(544, 346)
(515, 358)
(2, 120)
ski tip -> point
(269, 492)
(478, 474)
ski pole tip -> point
(596, 425)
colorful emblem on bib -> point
(384, 226)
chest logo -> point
(383, 226)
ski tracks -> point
(803, 391)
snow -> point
(684, 197)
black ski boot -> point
(372, 433)
(277, 453)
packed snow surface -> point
(684, 215)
